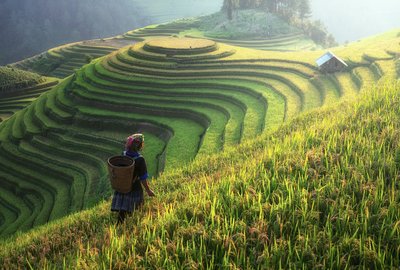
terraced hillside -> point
(13, 79)
(19, 88)
(322, 192)
(12, 102)
(191, 97)
(61, 61)
(275, 34)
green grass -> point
(318, 193)
(61, 61)
(186, 133)
(214, 111)
(20, 97)
(189, 102)
(245, 24)
(249, 28)
(12, 79)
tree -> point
(286, 8)
(304, 9)
(230, 9)
(229, 6)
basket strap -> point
(134, 158)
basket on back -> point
(120, 170)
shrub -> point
(12, 78)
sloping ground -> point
(190, 97)
(320, 193)
(274, 34)
(291, 42)
(253, 29)
(61, 61)
(249, 29)
(13, 101)
(13, 79)
(19, 88)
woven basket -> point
(120, 169)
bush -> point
(12, 78)
(316, 31)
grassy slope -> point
(16, 128)
(13, 79)
(363, 52)
(258, 25)
(19, 88)
(248, 28)
(321, 192)
(267, 30)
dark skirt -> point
(127, 201)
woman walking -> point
(126, 203)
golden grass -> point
(180, 43)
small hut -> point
(329, 63)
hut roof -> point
(328, 56)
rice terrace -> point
(259, 157)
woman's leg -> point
(121, 216)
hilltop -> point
(249, 28)
(18, 88)
(13, 79)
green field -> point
(259, 159)
(273, 33)
(60, 62)
(319, 193)
(12, 79)
(190, 97)
(20, 88)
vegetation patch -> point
(245, 24)
(180, 44)
(20, 88)
(318, 193)
(14, 79)
(190, 103)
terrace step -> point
(17, 205)
(31, 179)
(199, 84)
(82, 167)
(187, 133)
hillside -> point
(19, 88)
(13, 79)
(161, 11)
(319, 193)
(249, 28)
(31, 27)
(190, 97)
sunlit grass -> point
(184, 101)
(319, 193)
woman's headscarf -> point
(134, 142)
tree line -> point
(286, 8)
(296, 12)
(30, 27)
